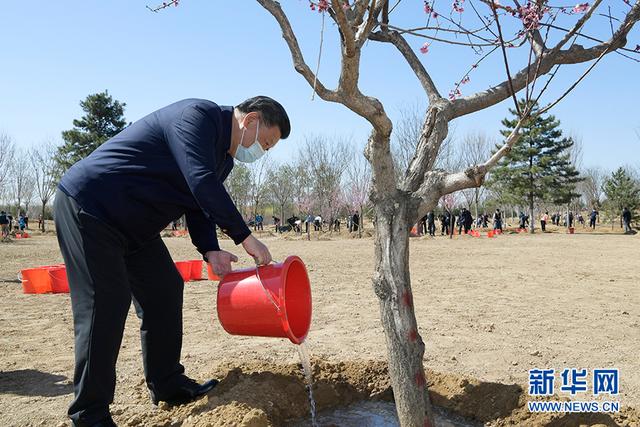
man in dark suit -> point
(109, 210)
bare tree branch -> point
(577, 26)
(574, 55)
(298, 60)
(401, 44)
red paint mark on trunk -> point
(420, 380)
(413, 335)
(407, 299)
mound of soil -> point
(266, 394)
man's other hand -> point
(257, 250)
(221, 261)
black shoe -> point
(187, 391)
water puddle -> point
(377, 414)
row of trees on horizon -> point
(328, 177)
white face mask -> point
(251, 154)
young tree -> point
(399, 199)
(44, 166)
(104, 118)
(622, 190)
(537, 168)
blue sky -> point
(56, 53)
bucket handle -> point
(267, 293)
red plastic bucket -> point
(59, 283)
(196, 269)
(571, 230)
(184, 268)
(269, 301)
(490, 233)
(36, 280)
(18, 236)
(211, 274)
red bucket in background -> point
(184, 268)
(36, 280)
(196, 269)
(571, 230)
(18, 236)
(59, 283)
(269, 301)
(211, 274)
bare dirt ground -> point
(488, 309)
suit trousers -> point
(105, 274)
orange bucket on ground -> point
(36, 280)
(211, 274)
(490, 233)
(196, 269)
(59, 283)
(184, 268)
(269, 301)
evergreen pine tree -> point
(103, 119)
(538, 168)
(621, 191)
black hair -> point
(271, 111)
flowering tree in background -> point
(546, 34)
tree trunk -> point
(360, 222)
(44, 206)
(477, 196)
(531, 217)
(392, 285)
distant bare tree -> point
(44, 165)
(327, 161)
(358, 186)
(259, 171)
(281, 185)
(21, 179)
(475, 147)
(238, 185)
(7, 152)
(591, 187)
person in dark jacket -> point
(431, 223)
(593, 216)
(626, 220)
(109, 211)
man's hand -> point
(257, 250)
(221, 261)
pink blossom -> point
(427, 7)
(457, 6)
(637, 49)
(435, 14)
(580, 8)
(454, 94)
(425, 48)
(465, 80)
(530, 14)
